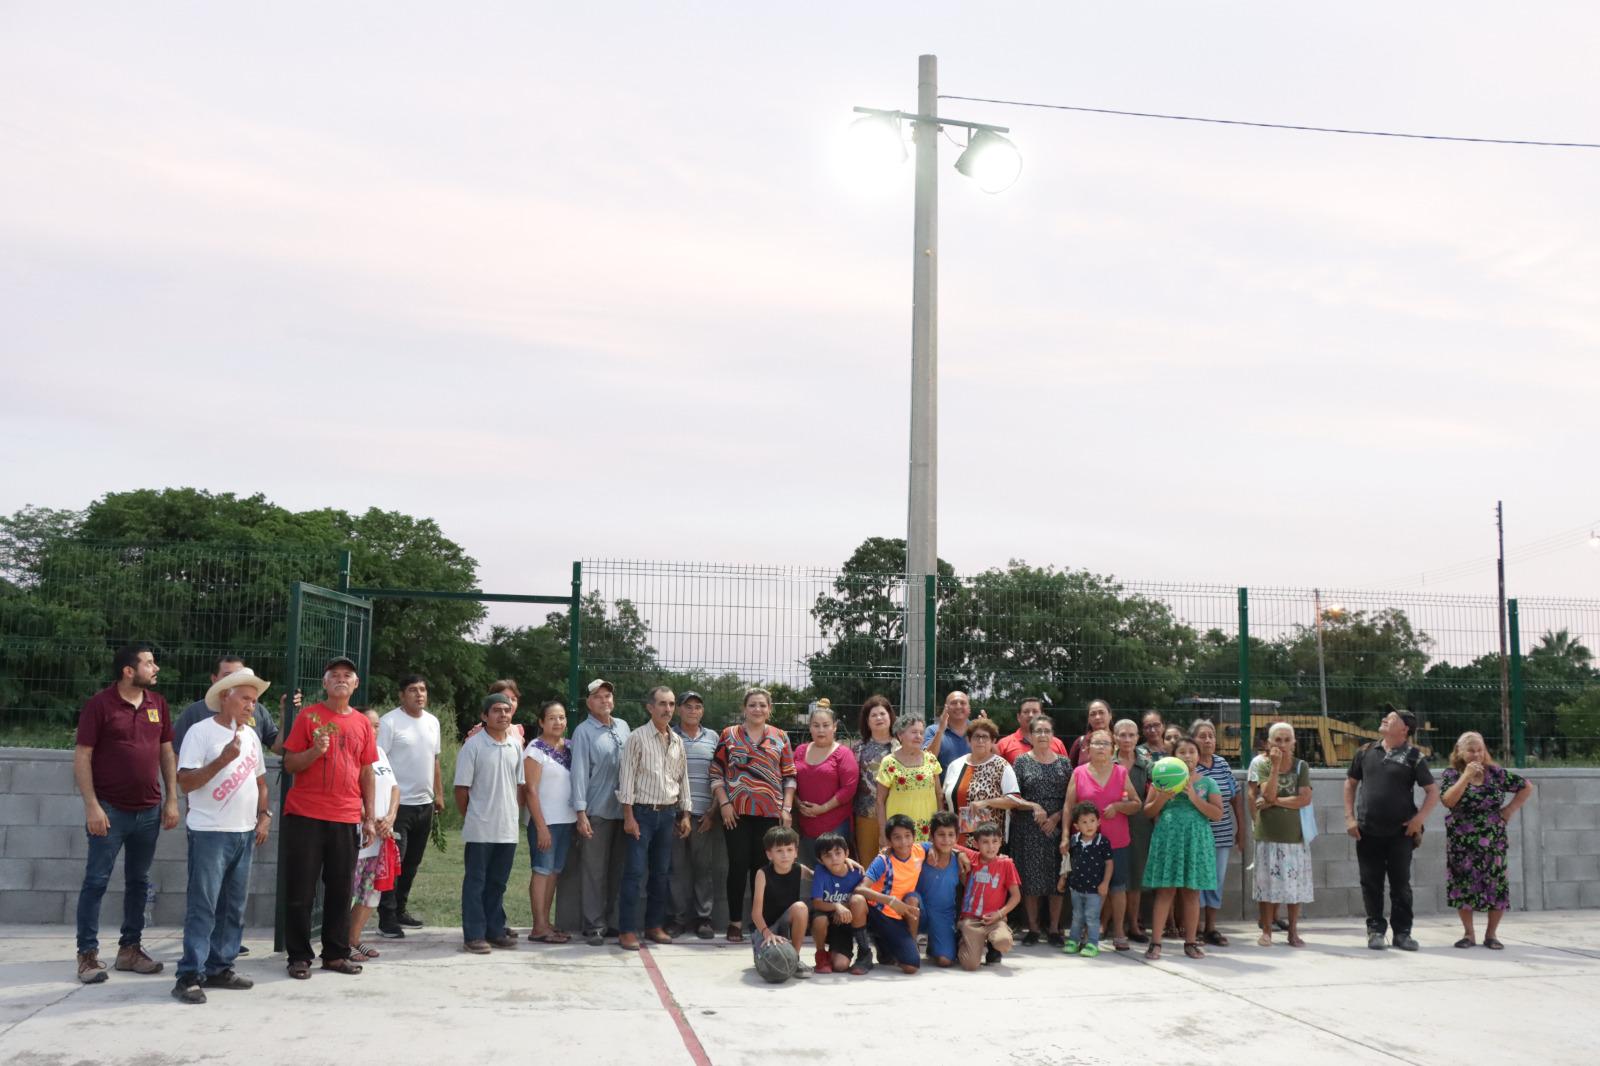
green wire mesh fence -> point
(65, 607)
(1325, 660)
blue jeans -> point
(483, 889)
(652, 850)
(219, 883)
(137, 831)
(1085, 918)
(1213, 897)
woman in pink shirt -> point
(1104, 782)
(828, 775)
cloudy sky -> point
(585, 281)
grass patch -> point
(436, 893)
(57, 737)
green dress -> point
(1182, 853)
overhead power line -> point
(1274, 125)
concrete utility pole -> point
(1505, 654)
(922, 522)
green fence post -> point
(1245, 740)
(930, 633)
(574, 638)
(1519, 715)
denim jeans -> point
(652, 851)
(483, 889)
(219, 884)
(137, 831)
(1085, 918)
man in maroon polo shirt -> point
(122, 759)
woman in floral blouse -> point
(908, 780)
(752, 784)
(876, 728)
(1475, 834)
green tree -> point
(1579, 721)
(863, 619)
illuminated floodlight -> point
(990, 160)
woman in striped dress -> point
(1227, 832)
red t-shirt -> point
(330, 788)
(989, 886)
(126, 763)
(1014, 745)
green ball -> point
(1169, 774)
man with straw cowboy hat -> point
(222, 769)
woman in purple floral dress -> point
(1475, 834)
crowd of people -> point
(916, 842)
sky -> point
(589, 282)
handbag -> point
(1308, 815)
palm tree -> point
(1560, 646)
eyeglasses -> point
(1099, 743)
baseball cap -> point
(341, 660)
(600, 683)
(685, 697)
(493, 699)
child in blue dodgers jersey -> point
(838, 911)
(939, 885)
(1089, 880)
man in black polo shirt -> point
(1386, 823)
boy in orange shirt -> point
(893, 906)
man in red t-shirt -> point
(330, 752)
(122, 758)
(1016, 744)
(994, 888)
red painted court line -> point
(691, 1043)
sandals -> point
(1467, 942)
(1264, 940)
(1295, 941)
(1153, 952)
(554, 936)
(1192, 950)
(1139, 936)
(735, 934)
(362, 953)
(300, 971)
(1214, 938)
(344, 966)
(1120, 943)
(1493, 944)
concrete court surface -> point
(428, 1002)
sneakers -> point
(991, 956)
(824, 960)
(409, 920)
(595, 938)
(91, 971)
(229, 981)
(1404, 942)
(391, 932)
(802, 972)
(131, 958)
(1070, 947)
(188, 990)
(704, 931)
(1376, 942)
(477, 947)
(1090, 951)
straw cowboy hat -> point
(242, 676)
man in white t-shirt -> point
(363, 893)
(410, 736)
(488, 784)
(223, 772)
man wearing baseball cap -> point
(327, 818)
(222, 770)
(597, 746)
(1386, 824)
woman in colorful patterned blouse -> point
(752, 784)
(876, 728)
(981, 786)
(1475, 834)
(908, 780)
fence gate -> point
(323, 624)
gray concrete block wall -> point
(43, 846)
(1553, 862)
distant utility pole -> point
(1505, 654)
